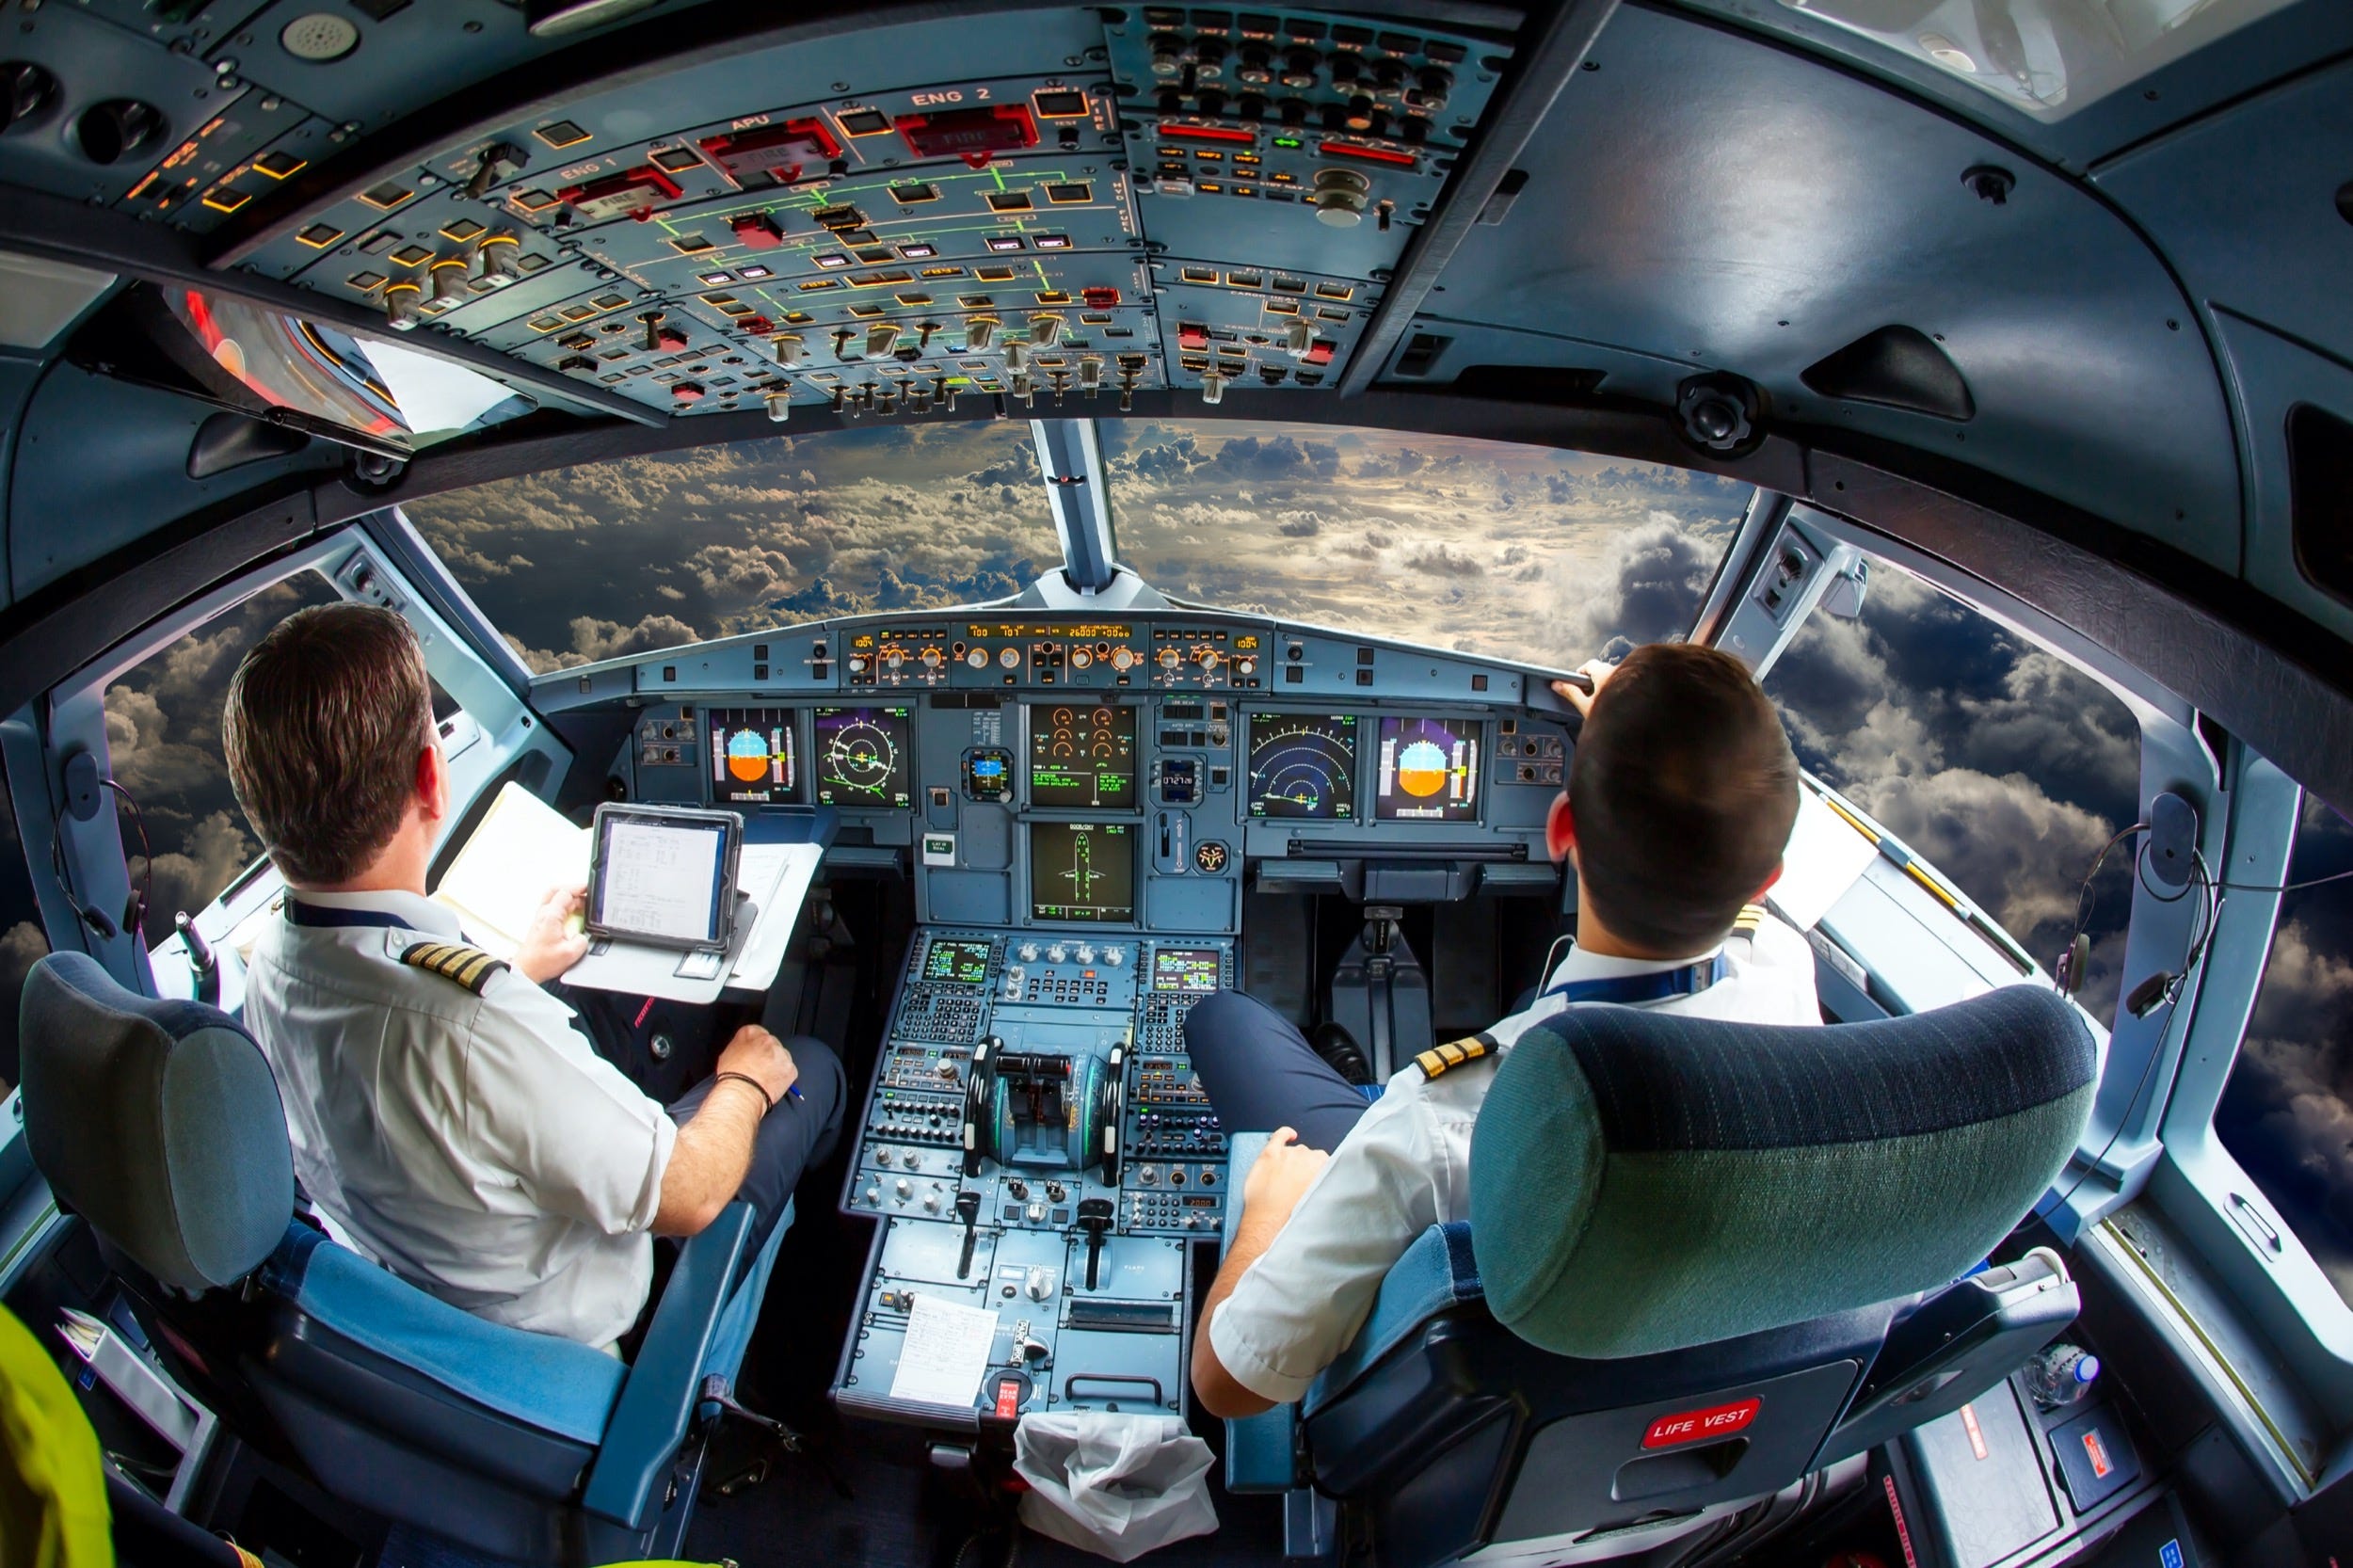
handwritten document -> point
(660, 880)
(945, 1353)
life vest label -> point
(1690, 1426)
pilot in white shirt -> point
(449, 1117)
(1681, 795)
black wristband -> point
(766, 1103)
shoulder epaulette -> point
(1441, 1059)
(469, 966)
(1748, 920)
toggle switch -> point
(779, 405)
(651, 341)
(791, 348)
(1298, 338)
(881, 339)
(1045, 330)
(495, 262)
(1212, 388)
(978, 335)
(450, 277)
(401, 301)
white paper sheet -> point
(1824, 859)
(521, 848)
(777, 875)
(945, 1353)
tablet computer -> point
(663, 876)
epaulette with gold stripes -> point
(1439, 1059)
(470, 966)
(1748, 920)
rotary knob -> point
(1057, 954)
(1081, 658)
(882, 1158)
(1114, 957)
(931, 1201)
(1029, 952)
(857, 663)
(1123, 659)
(1245, 665)
(904, 1188)
(1086, 952)
(978, 658)
(1010, 657)
(894, 659)
(931, 658)
(1170, 658)
(1147, 1175)
(1207, 658)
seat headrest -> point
(158, 1122)
(1645, 1182)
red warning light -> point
(1099, 298)
(777, 151)
(632, 193)
(1369, 154)
(1209, 132)
(976, 135)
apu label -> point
(1690, 1426)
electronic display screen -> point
(1191, 970)
(864, 757)
(1428, 769)
(1083, 870)
(1304, 765)
(658, 879)
(963, 963)
(755, 756)
(1082, 755)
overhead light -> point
(319, 37)
(562, 18)
(1944, 51)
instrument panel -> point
(1132, 772)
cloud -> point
(1299, 526)
(1649, 588)
(21, 948)
(192, 876)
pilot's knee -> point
(819, 1078)
(1217, 1021)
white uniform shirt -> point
(478, 1146)
(1406, 1167)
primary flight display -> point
(1082, 755)
(1304, 765)
(754, 756)
(864, 757)
(1429, 770)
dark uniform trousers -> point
(1261, 1073)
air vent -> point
(1895, 367)
(1421, 354)
(2320, 486)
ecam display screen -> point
(1429, 771)
(755, 756)
(863, 757)
(962, 963)
(1193, 970)
(1083, 755)
(1083, 870)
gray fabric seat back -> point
(157, 1122)
(1642, 1182)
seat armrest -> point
(628, 1482)
(1261, 1450)
(1437, 1274)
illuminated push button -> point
(1009, 657)
(978, 658)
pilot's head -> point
(331, 739)
(1680, 798)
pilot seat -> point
(159, 1124)
(1711, 1264)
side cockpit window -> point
(2286, 1115)
(163, 744)
(1999, 763)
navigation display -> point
(1083, 870)
(961, 962)
(1191, 970)
(1304, 765)
(755, 756)
(863, 757)
(1082, 755)
(1429, 771)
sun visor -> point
(40, 298)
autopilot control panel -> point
(1035, 1145)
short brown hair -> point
(324, 724)
(1684, 790)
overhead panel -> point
(1110, 201)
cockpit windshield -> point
(609, 559)
(1522, 552)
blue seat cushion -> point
(557, 1385)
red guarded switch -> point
(975, 135)
(756, 231)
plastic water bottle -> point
(2062, 1375)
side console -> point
(1035, 1145)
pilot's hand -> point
(762, 1057)
(1280, 1177)
(1596, 670)
(551, 944)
